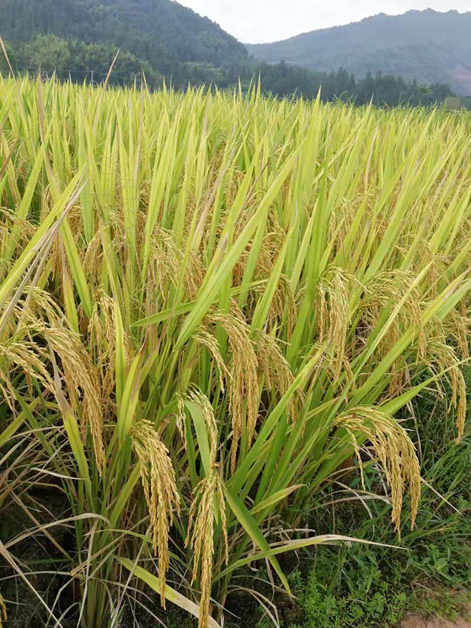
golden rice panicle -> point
(160, 490)
(197, 397)
(93, 258)
(386, 291)
(458, 325)
(341, 221)
(83, 384)
(102, 342)
(437, 262)
(165, 265)
(180, 419)
(284, 304)
(275, 368)
(194, 275)
(393, 449)
(208, 340)
(283, 307)
(243, 388)
(333, 294)
(23, 233)
(3, 611)
(40, 317)
(38, 304)
(208, 499)
(283, 299)
(27, 356)
(442, 357)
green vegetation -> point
(163, 34)
(217, 310)
(369, 587)
(381, 90)
(426, 46)
(365, 589)
(79, 61)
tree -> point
(49, 54)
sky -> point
(261, 21)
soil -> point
(417, 621)
(420, 622)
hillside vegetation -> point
(215, 308)
(160, 39)
(160, 33)
(426, 46)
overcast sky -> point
(257, 21)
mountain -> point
(426, 46)
(79, 40)
(161, 33)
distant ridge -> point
(427, 46)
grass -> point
(360, 589)
(369, 587)
(211, 307)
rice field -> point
(211, 304)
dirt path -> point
(421, 622)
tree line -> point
(76, 60)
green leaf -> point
(170, 594)
(251, 528)
(201, 435)
(129, 399)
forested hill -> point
(427, 46)
(79, 39)
(168, 37)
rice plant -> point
(210, 304)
